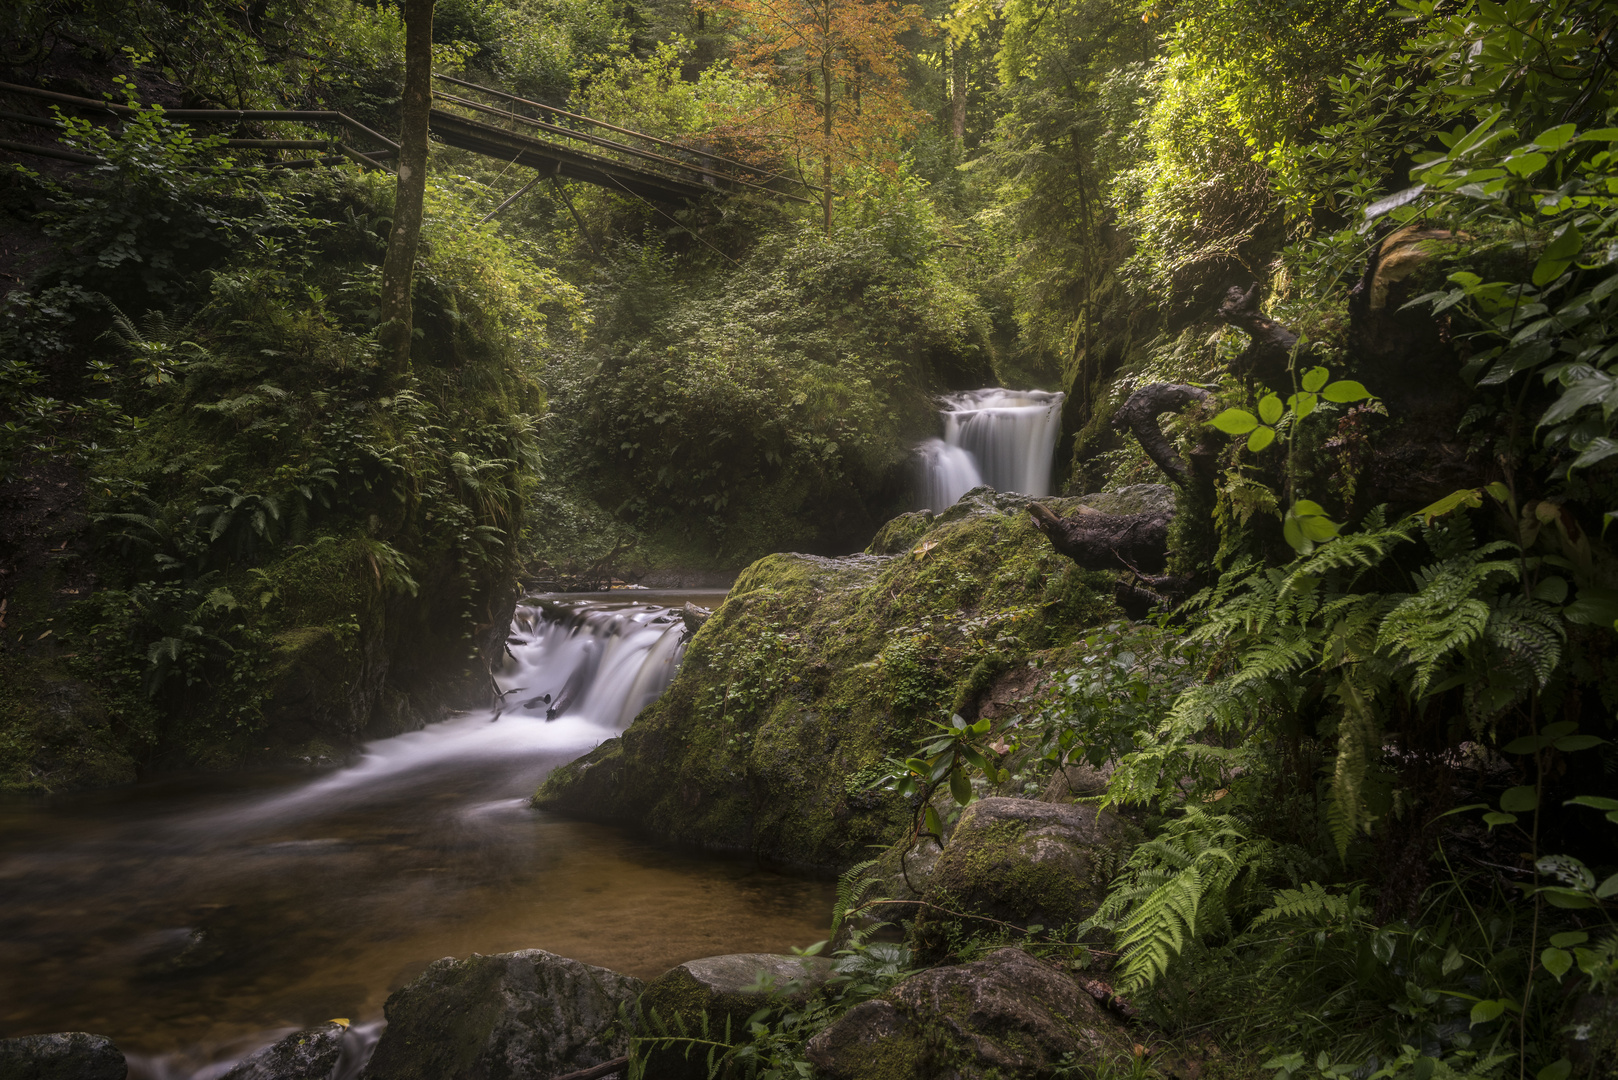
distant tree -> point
(411, 192)
(837, 69)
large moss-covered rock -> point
(506, 1017)
(1007, 1015)
(815, 670)
(715, 996)
(1021, 862)
(69, 1055)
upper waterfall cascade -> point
(1003, 438)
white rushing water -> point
(1003, 438)
(575, 672)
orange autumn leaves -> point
(838, 98)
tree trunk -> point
(395, 330)
(957, 96)
(825, 153)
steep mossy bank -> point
(815, 671)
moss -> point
(56, 732)
(815, 670)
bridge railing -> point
(679, 161)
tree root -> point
(1096, 541)
(1139, 414)
(1268, 354)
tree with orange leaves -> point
(835, 68)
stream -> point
(194, 920)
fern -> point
(1312, 902)
(852, 889)
(1175, 890)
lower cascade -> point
(220, 914)
(1002, 438)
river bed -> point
(193, 920)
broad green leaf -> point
(1520, 800)
(1317, 527)
(1599, 135)
(1486, 1010)
(1449, 504)
(1609, 888)
(1314, 379)
(1526, 165)
(1594, 802)
(1235, 421)
(931, 823)
(1527, 744)
(1269, 408)
(1452, 960)
(1344, 391)
(1551, 590)
(1569, 899)
(1570, 743)
(960, 786)
(1302, 404)
(1548, 270)
(1556, 138)
(1557, 961)
(1569, 939)
(1307, 506)
(1561, 1068)
(1499, 491)
(1260, 438)
(1495, 817)
(1294, 535)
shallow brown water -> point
(193, 920)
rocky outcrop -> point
(814, 671)
(1007, 1015)
(1018, 862)
(506, 1017)
(69, 1055)
(716, 995)
(304, 1055)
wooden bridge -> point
(553, 142)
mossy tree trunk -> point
(395, 330)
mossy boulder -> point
(1020, 862)
(69, 1055)
(1007, 1015)
(715, 996)
(504, 1017)
(816, 670)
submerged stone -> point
(1007, 1015)
(304, 1055)
(68, 1055)
(505, 1017)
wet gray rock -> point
(67, 1055)
(1005, 1015)
(1023, 862)
(724, 988)
(512, 1016)
(304, 1055)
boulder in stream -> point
(1005, 1015)
(67, 1055)
(511, 1016)
(311, 1054)
(726, 990)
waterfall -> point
(1003, 438)
(575, 671)
(604, 664)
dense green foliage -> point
(1369, 753)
